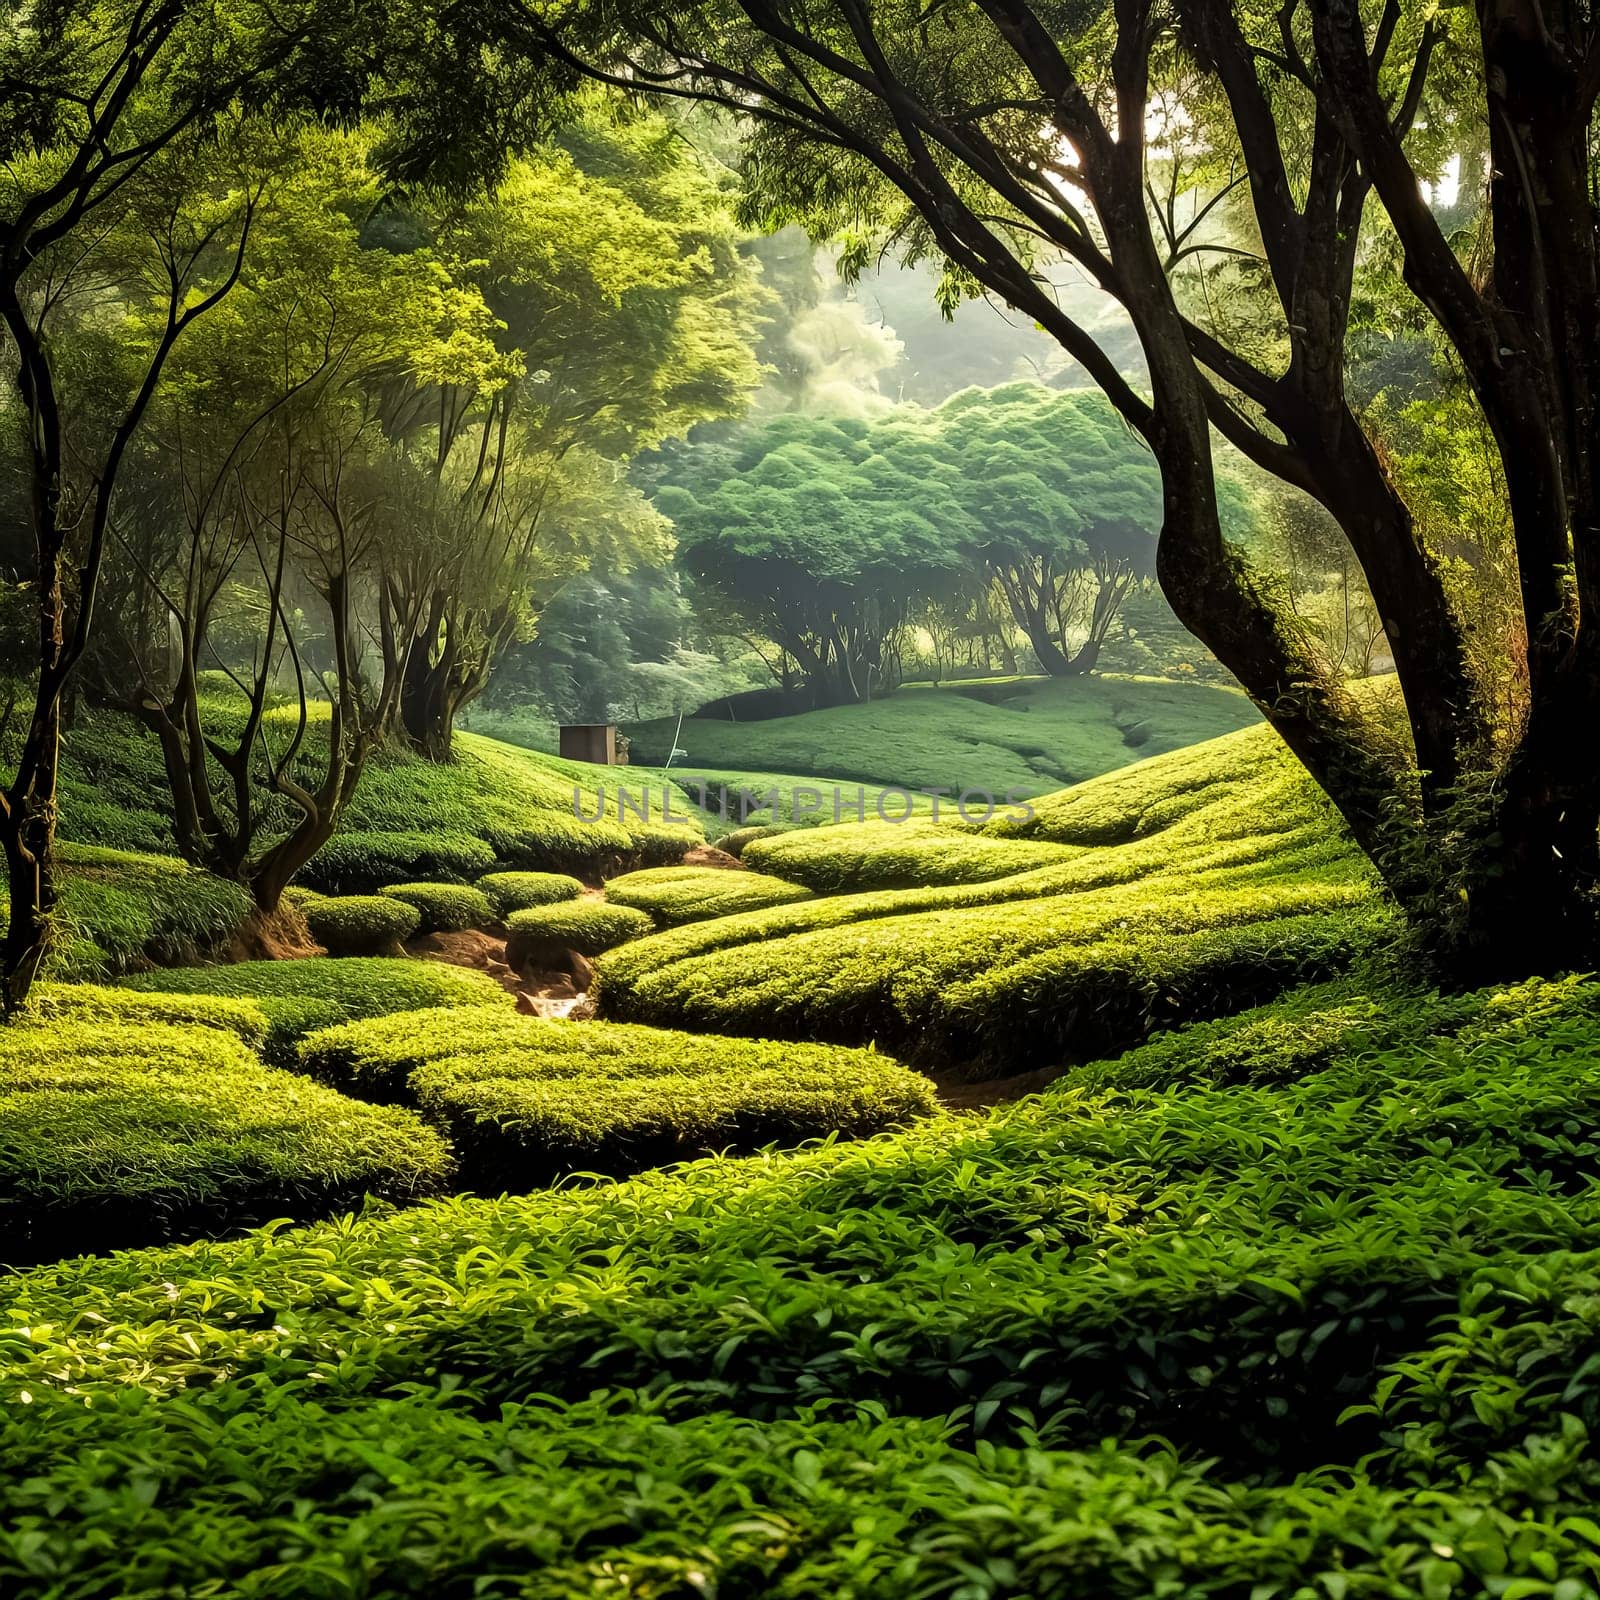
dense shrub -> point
(361, 924)
(735, 841)
(132, 1131)
(525, 1099)
(541, 935)
(90, 1003)
(904, 1362)
(443, 907)
(518, 891)
(300, 996)
(673, 895)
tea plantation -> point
(1298, 1303)
(711, 1297)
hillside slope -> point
(1029, 734)
(1190, 885)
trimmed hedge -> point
(908, 855)
(298, 997)
(443, 907)
(543, 934)
(361, 924)
(525, 1100)
(54, 1003)
(520, 891)
(929, 1362)
(673, 895)
(735, 842)
(115, 1133)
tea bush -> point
(300, 996)
(897, 856)
(673, 895)
(1232, 880)
(1317, 1318)
(519, 891)
(443, 907)
(89, 1003)
(134, 1130)
(735, 841)
(361, 924)
(525, 1100)
(541, 934)
(120, 911)
(361, 861)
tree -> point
(109, 111)
(627, 314)
(1064, 503)
(1004, 132)
(824, 542)
(1043, 494)
(258, 486)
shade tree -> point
(627, 313)
(112, 113)
(1004, 132)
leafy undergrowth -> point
(297, 997)
(1221, 875)
(674, 895)
(1032, 734)
(410, 819)
(524, 1101)
(128, 1118)
(1309, 1312)
(119, 910)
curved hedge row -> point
(525, 1100)
(300, 996)
(673, 895)
(908, 855)
(1388, 1255)
(121, 1132)
(1234, 879)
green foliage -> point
(127, 1124)
(734, 843)
(1087, 1338)
(443, 907)
(119, 910)
(68, 1003)
(361, 924)
(365, 859)
(673, 895)
(541, 934)
(411, 820)
(1233, 878)
(1030, 735)
(905, 855)
(518, 891)
(526, 1100)
(300, 996)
